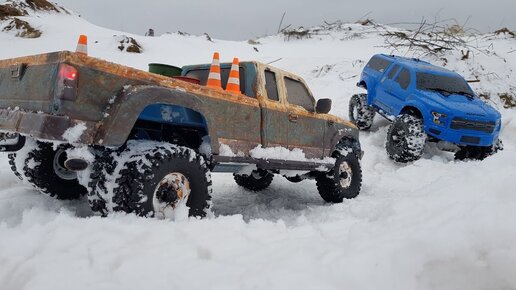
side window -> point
(393, 71)
(378, 63)
(271, 86)
(297, 94)
(403, 78)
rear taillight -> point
(67, 82)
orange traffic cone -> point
(233, 85)
(214, 76)
(82, 45)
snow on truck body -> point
(86, 102)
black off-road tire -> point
(478, 152)
(360, 113)
(331, 185)
(17, 159)
(294, 179)
(39, 171)
(101, 176)
(406, 139)
(12, 163)
(140, 174)
(256, 181)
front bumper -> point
(463, 137)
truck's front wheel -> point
(43, 167)
(343, 181)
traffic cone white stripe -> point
(215, 76)
(234, 81)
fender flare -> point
(125, 108)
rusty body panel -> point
(110, 98)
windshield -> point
(443, 84)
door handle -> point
(293, 117)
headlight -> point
(439, 118)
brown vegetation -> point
(130, 44)
(7, 11)
(23, 28)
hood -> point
(473, 107)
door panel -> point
(306, 132)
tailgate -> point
(29, 82)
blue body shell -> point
(457, 118)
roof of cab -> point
(420, 65)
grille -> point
(465, 124)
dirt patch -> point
(505, 30)
(7, 11)
(130, 44)
(41, 5)
(23, 29)
(509, 101)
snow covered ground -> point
(432, 224)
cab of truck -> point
(279, 106)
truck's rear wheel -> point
(343, 180)
(43, 168)
(153, 180)
(360, 113)
(257, 180)
(406, 139)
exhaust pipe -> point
(76, 164)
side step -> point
(234, 164)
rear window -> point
(378, 63)
(202, 76)
(297, 94)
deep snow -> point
(432, 224)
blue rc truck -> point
(424, 103)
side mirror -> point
(323, 106)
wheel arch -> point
(411, 110)
(348, 142)
(154, 104)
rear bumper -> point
(45, 126)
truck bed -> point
(30, 103)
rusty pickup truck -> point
(145, 143)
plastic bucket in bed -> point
(165, 69)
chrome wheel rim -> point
(60, 170)
(172, 191)
(345, 174)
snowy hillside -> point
(432, 224)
